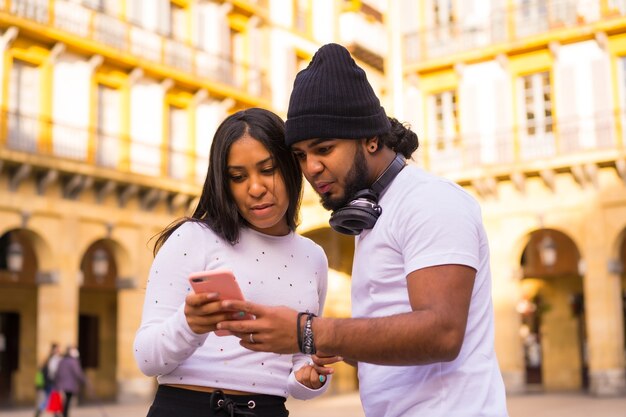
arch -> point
(45, 263)
(19, 302)
(99, 267)
(312, 215)
(550, 252)
(98, 312)
(339, 248)
(121, 259)
(552, 312)
(521, 243)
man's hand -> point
(320, 361)
(272, 330)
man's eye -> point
(323, 150)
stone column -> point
(603, 309)
(506, 293)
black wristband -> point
(299, 331)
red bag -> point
(55, 402)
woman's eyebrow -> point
(269, 158)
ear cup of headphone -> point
(353, 220)
(361, 213)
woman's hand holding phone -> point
(202, 308)
(203, 312)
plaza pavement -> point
(348, 405)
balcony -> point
(367, 40)
(82, 159)
(591, 142)
(506, 26)
(121, 40)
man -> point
(422, 328)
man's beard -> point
(356, 180)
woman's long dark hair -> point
(217, 208)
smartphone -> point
(221, 281)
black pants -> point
(66, 404)
(178, 402)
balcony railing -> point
(133, 40)
(579, 137)
(501, 25)
(34, 135)
(355, 28)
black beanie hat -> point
(332, 99)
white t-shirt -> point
(286, 270)
(427, 221)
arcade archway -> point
(552, 310)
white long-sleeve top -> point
(286, 270)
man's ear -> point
(371, 144)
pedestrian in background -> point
(69, 377)
(44, 379)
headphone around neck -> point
(363, 211)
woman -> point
(245, 221)
(69, 377)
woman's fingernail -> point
(322, 378)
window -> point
(178, 141)
(108, 128)
(531, 17)
(302, 15)
(440, 36)
(178, 20)
(94, 4)
(238, 57)
(135, 12)
(443, 13)
(534, 98)
(23, 120)
(537, 103)
(443, 110)
(622, 69)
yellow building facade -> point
(108, 109)
(522, 103)
(107, 112)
